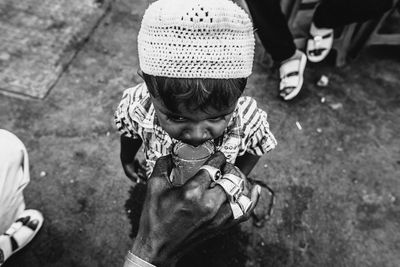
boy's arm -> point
(129, 149)
(246, 162)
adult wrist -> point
(145, 250)
(132, 260)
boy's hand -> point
(263, 211)
(132, 167)
(135, 171)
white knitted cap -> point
(196, 39)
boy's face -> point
(193, 127)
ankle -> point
(297, 54)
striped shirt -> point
(247, 131)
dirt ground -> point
(337, 177)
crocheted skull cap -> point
(196, 39)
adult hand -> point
(175, 217)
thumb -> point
(159, 178)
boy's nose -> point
(196, 135)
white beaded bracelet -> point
(131, 260)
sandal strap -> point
(317, 51)
(290, 74)
(317, 40)
(14, 244)
(32, 225)
(24, 220)
(288, 87)
(325, 36)
(290, 68)
(2, 258)
(289, 82)
(16, 225)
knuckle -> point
(193, 195)
(209, 206)
(214, 224)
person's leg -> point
(14, 176)
(17, 225)
(271, 26)
(337, 13)
(330, 14)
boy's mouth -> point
(195, 143)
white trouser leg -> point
(14, 176)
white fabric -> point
(196, 39)
(14, 176)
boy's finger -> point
(232, 169)
(254, 197)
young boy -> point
(195, 56)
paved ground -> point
(337, 179)
(39, 39)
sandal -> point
(319, 46)
(20, 233)
(291, 77)
(264, 212)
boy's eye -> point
(217, 118)
(177, 118)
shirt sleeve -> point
(126, 125)
(257, 135)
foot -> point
(320, 44)
(20, 233)
(291, 75)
